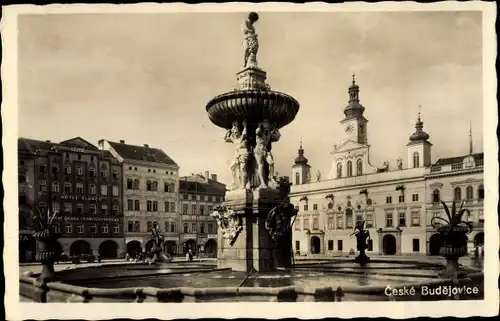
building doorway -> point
(190, 245)
(80, 247)
(134, 248)
(435, 244)
(211, 248)
(389, 244)
(315, 245)
(108, 249)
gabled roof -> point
(458, 159)
(142, 153)
(78, 142)
(198, 184)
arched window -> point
(349, 169)
(458, 193)
(416, 160)
(480, 192)
(297, 178)
(359, 167)
(339, 170)
(435, 196)
(469, 193)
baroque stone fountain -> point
(253, 221)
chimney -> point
(207, 175)
(101, 144)
(146, 145)
(122, 141)
(47, 141)
(214, 177)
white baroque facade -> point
(397, 204)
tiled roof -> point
(33, 146)
(189, 185)
(142, 153)
(458, 159)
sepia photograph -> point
(250, 153)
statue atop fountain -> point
(252, 115)
(362, 235)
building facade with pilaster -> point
(396, 203)
(150, 195)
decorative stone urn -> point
(48, 249)
(362, 235)
(454, 235)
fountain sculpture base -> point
(253, 248)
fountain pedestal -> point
(253, 247)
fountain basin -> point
(178, 282)
(253, 106)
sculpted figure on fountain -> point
(250, 43)
(239, 164)
(264, 136)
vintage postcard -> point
(342, 157)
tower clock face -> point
(349, 129)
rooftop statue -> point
(250, 43)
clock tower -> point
(354, 122)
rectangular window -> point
(56, 228)
(330, 223)
(193, 227)
(167, 226)
(172, 206)
(130, 226)
(205, 198)
(68, 228)
(388, 219)
(41, 168)
(79, 209)
(79, 171)
(415, 218)
(115, 190)
(104, 228)
(210, 209)
(369, 220)
(480, 215)
(297, 224)
(92, 209)
(68, 208)
(402, 219)
(213, 198)
(104, 190)
(92, 189)
(185, 228)
(306, 208)
(330, 245)
(79, 229)
(150, 226)
(130, 205)
(67, 188)
(56, 207)
(137, 226)
(388, 200)
(370, 245)
(297, 246)
(92, 172)
(79, 188)
(55, 169)
(42, 207)
(93, 228)
(340, 246)
(116, 209)
(340, 222)
(211, 228)
(136, 184)
(315, 207)
(55, 187)
(104, 173)
(155, 206)
(202, 209)
(167, 207)
(184, 209)
(104, 209)
(202, 228)
(67, 169)
(137, 205)
(116, 229)
(306, 223)
(401, 198)
(415, 197)
(130, 183)
(416, 245)
(149, 206)
(42, 186)
(149, 185)
(173, 227)
(315, 224)
(348, 221)
(115, 174)
(193, 209)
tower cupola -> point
(354, 109)
(301, 159)
(419, 135)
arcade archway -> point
(134, 248)
(315, 245)
(108, 249)
(79, 247)
(211, 248)
(389, 244)
(170, 247)
(190, 245)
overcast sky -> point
(146, 78)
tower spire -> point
(419, 134)
(470, 138)
(300, 158)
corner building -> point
(396, 202)
(199, 195)
(151, 189)
(81, 182)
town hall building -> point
(397, 204)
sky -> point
(146, 79)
